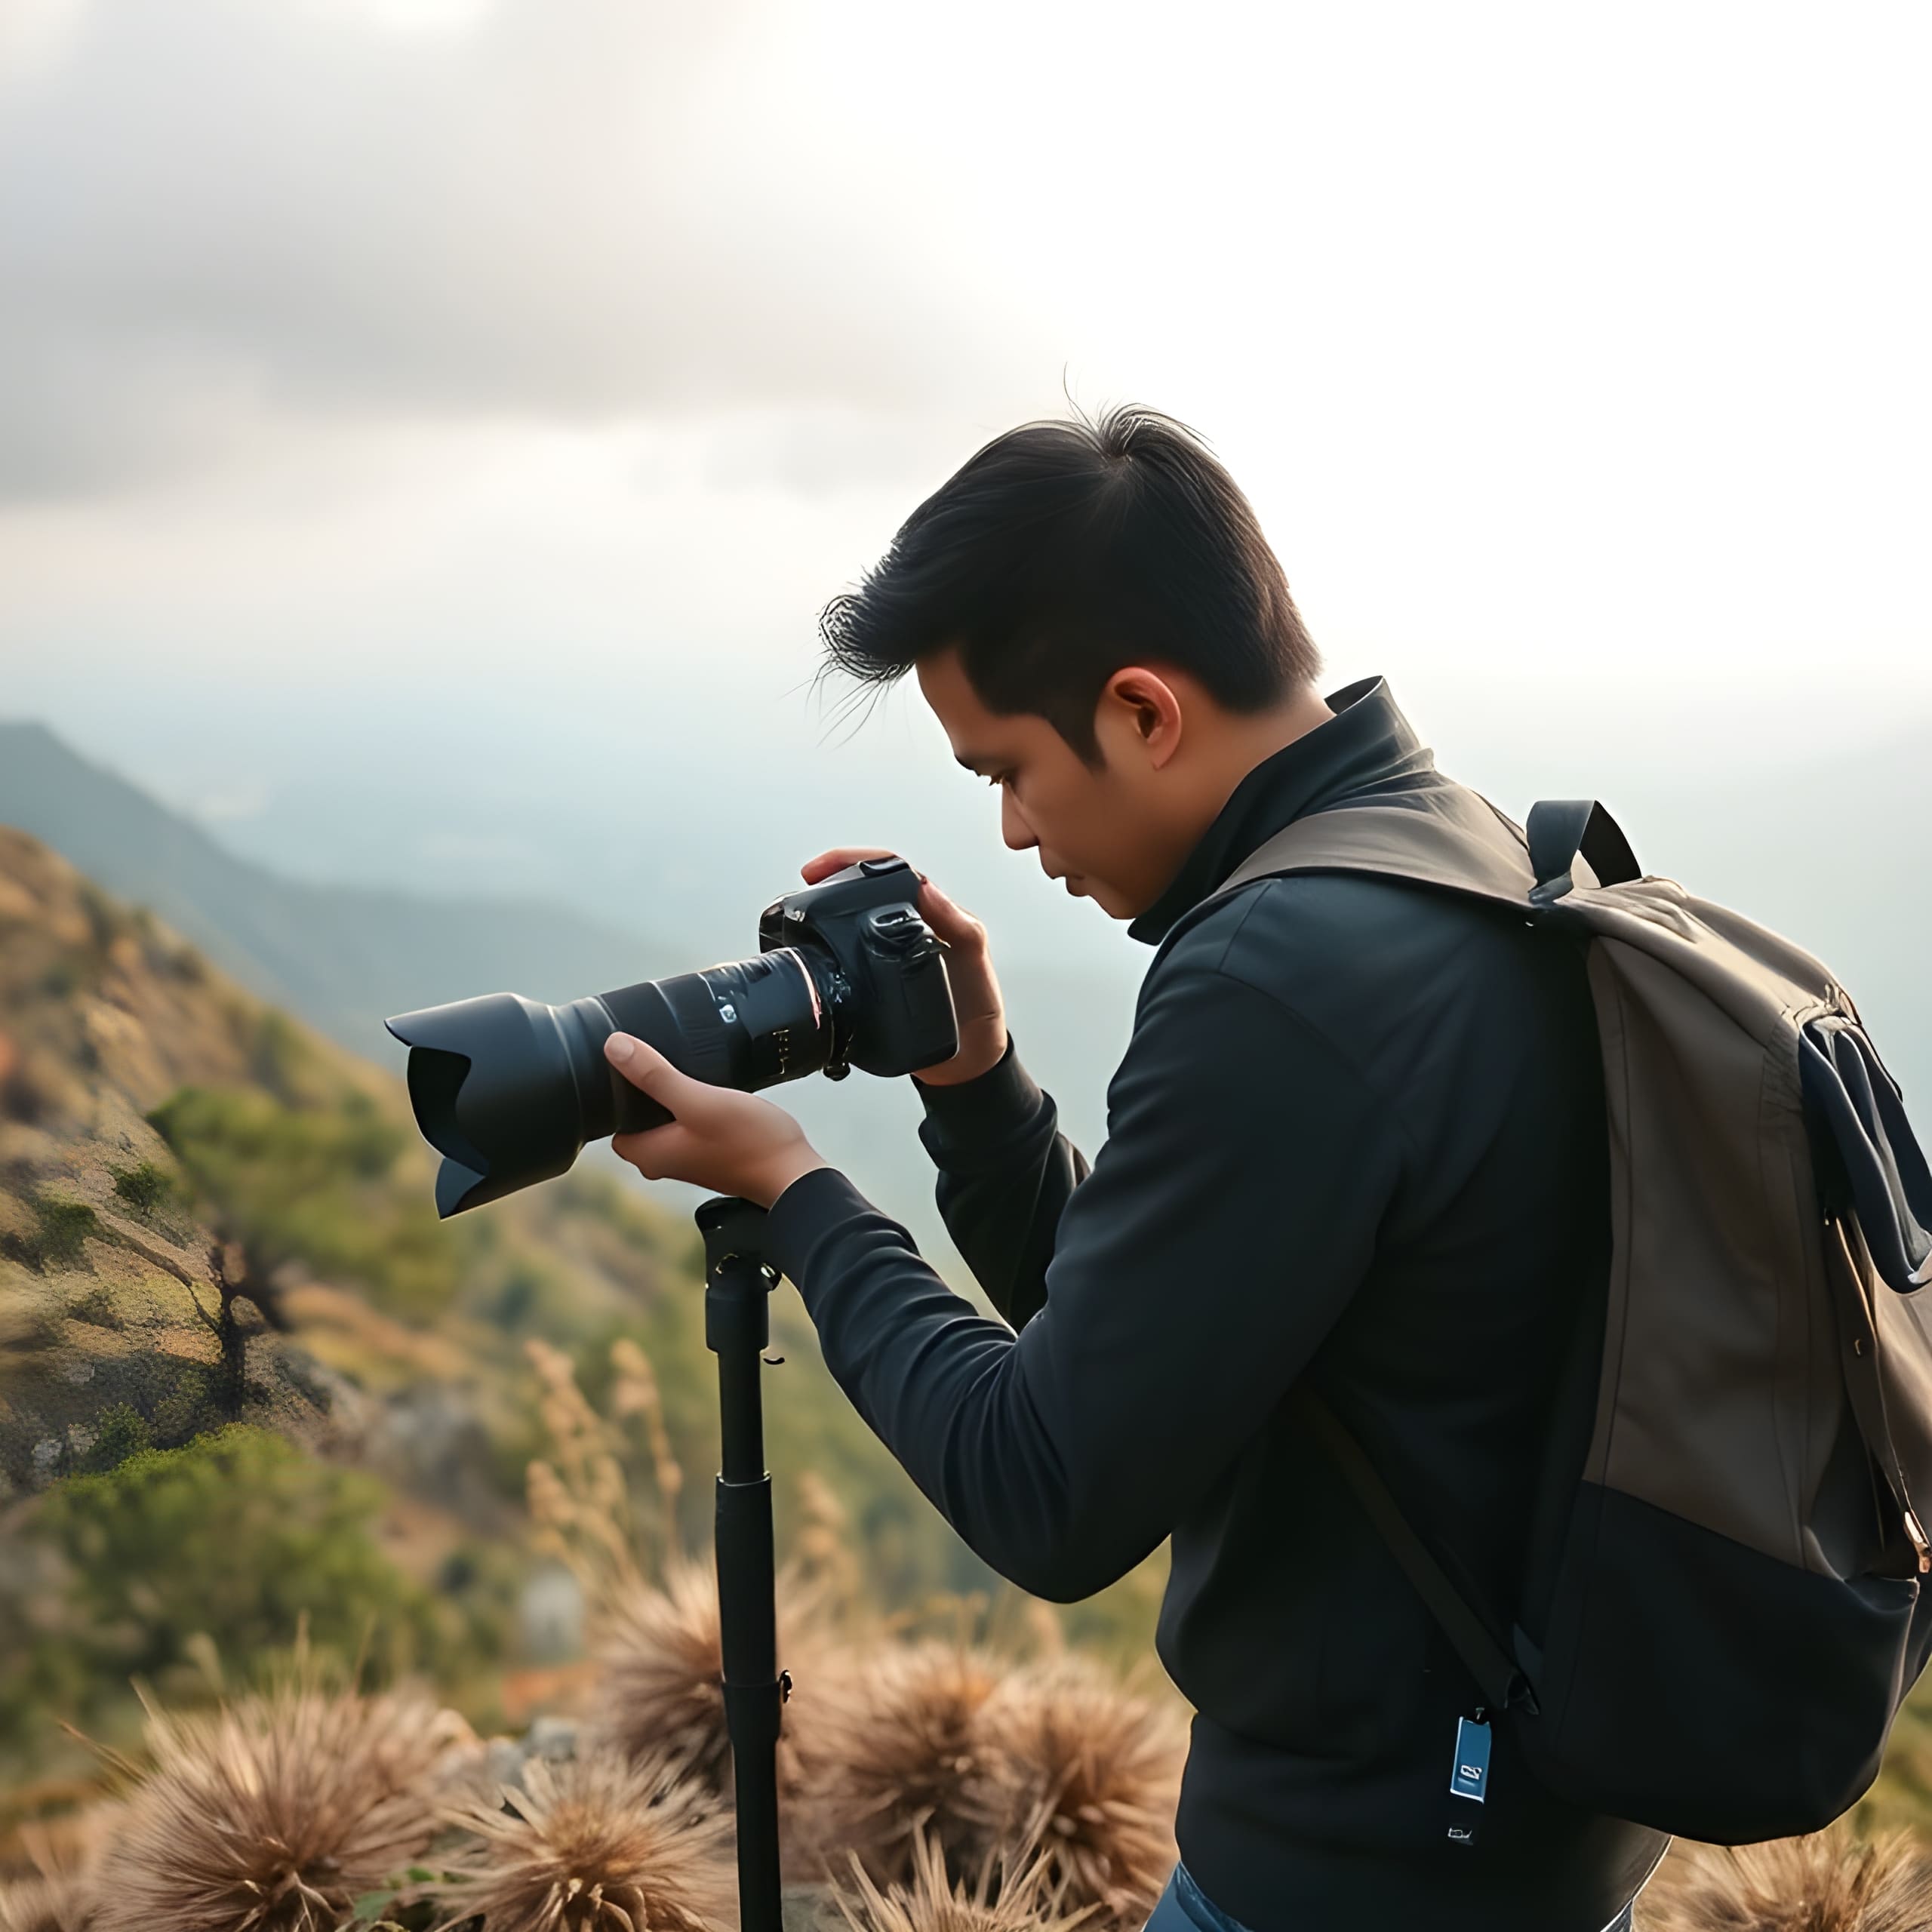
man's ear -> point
(1148, 706)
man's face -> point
(1111, 834)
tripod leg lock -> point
(754, 1713)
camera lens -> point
(508, 1091)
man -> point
(1358, 1137)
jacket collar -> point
(1367, 746)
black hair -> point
(1065, 549)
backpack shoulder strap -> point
(1453, 838)
(1562, 829)
(1497, 1675)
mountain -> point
(1821, 850)
(217, 1244)
(173, 1150)
(341, 956)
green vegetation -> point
(122, 1432)
(60, 1230)
(145, 1187)
(311, 1183)
(234, 1541)
(237, 1535)
(261, 1259)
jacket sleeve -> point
(1005, 1173)
(1230, 1213)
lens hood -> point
(505, 1089)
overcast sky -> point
(1574, 357)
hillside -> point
(339, 956)
(167, 1142)
(341, 959)
(209, 1216)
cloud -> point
(214, 214)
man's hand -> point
(719, 1138)
(969, 970)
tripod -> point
(737, 1324)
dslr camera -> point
(509, 1091)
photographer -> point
(1357, 1137)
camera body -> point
(508, 1091)
(883, 968)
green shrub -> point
(313, 1184)
(239, 1534)
(144, 1187)
(120, 1432)
(60, 1229)
(190, 1400)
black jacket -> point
(1358, 1134)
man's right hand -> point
(969, 969)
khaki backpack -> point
(1723, 1606)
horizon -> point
(553, 411)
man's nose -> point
(1013, 828)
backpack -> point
(1721, 1608)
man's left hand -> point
(717, 1138)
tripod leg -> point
(736, 1327)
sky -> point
(429, 428)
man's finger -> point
(838, 858)
(961, 930)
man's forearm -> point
(1005, 1173)
(945, 1389)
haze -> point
(427, 428)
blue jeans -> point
(1185, 1907)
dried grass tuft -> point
(274, 1813)
(1086, 1773)
(1824, 1882)
(896, 1760)
(593, 1844)
(662, 1692)
(931, 1899)
(661, 1689)
(59, 1895)
(48, 1902)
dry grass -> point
(1826, 1882)
(274, 1813)
(58, 1896)
(931, 1899)
(44, 1904)
(897, 1763)
(66, 1850)
(579, 1499)
(1087, 1774)
(594, 1844)
(661, 1693)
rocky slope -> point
(181, 1281)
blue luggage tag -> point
(1469, 1777)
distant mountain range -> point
(342, 957)
(1828, 852)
